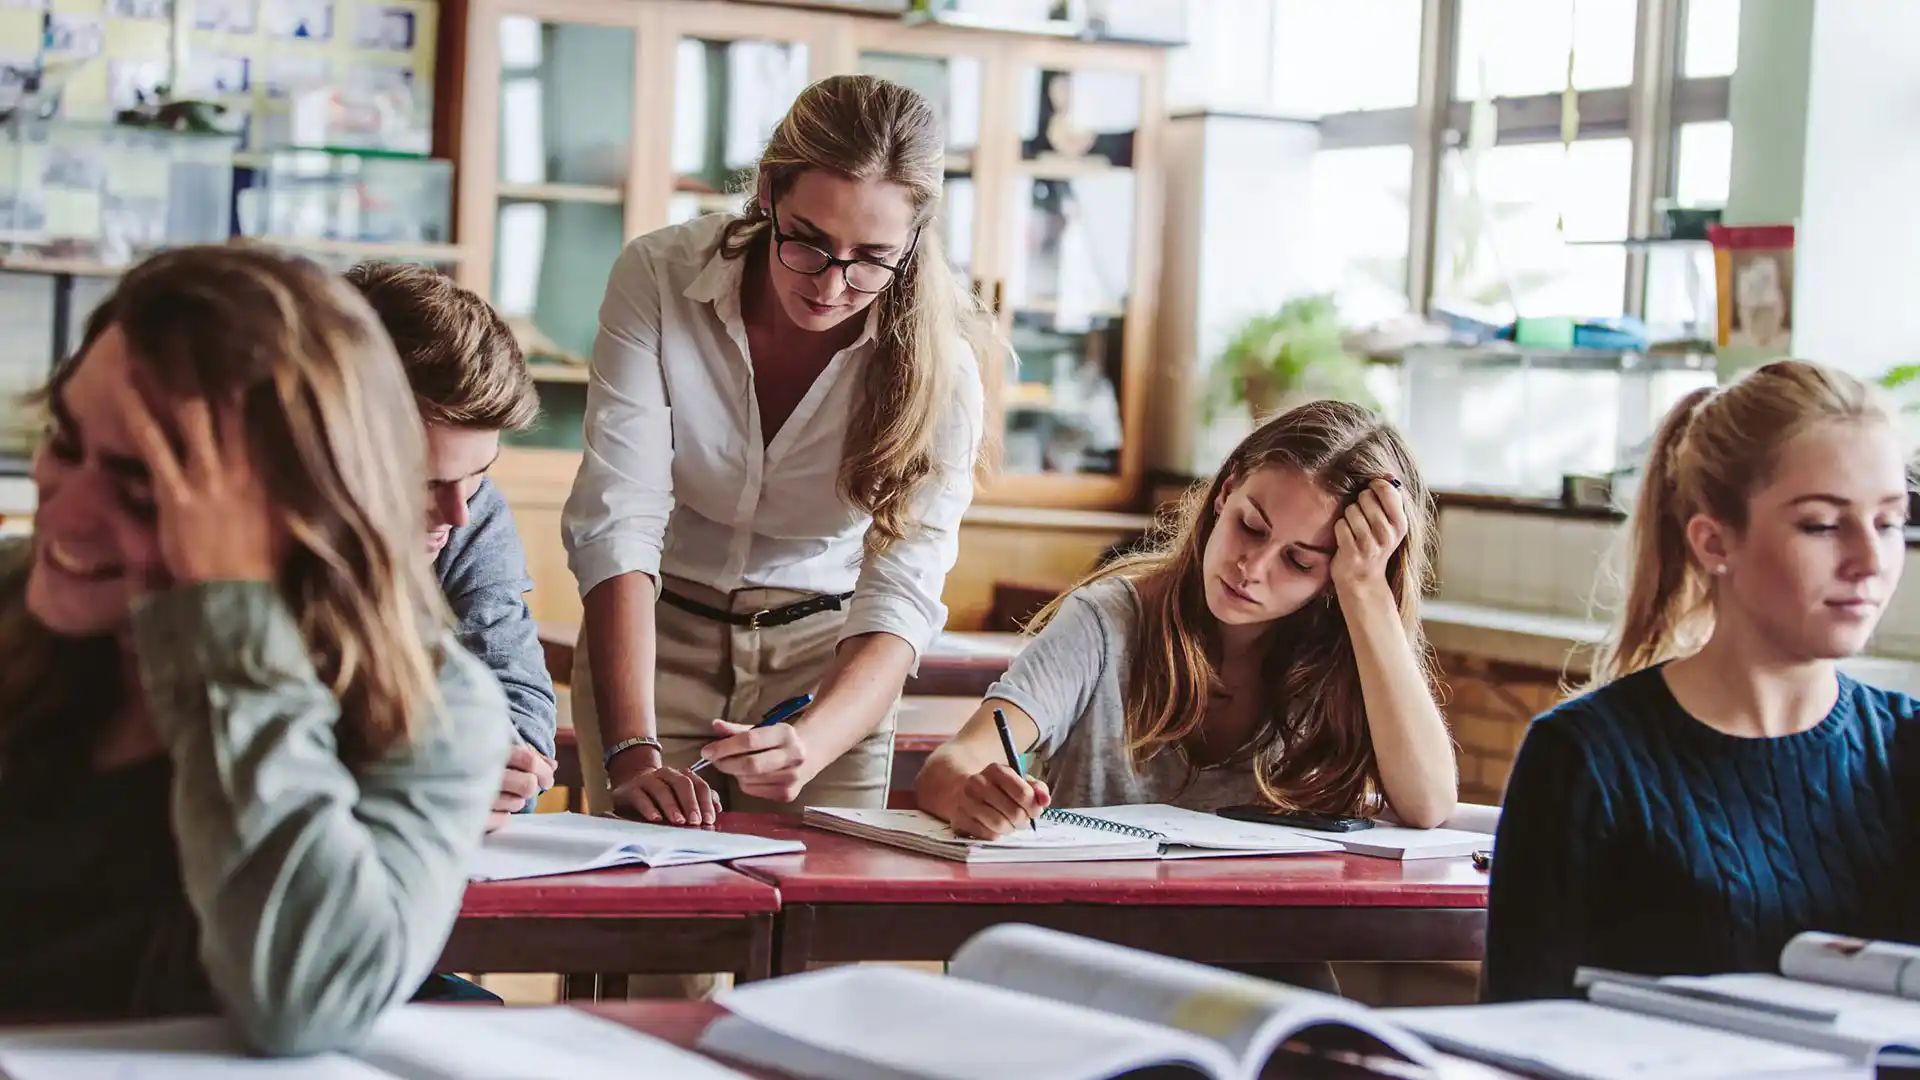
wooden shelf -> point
(34, 264)
(362, 249)
(574, 193)
(558, 373)
(1066, 168)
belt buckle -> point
(753, 621)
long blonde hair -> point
(869, 129)
(332, 425)
(1713, 450)
(1317, 755)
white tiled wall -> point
(1557, 566)
(1526, 562)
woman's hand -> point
(995, 801)
(768, 762)
(661, 794)
(1366, 536)
(214, 518)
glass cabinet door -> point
(728, 96)
(1069, 253)
(953, 84)
(565, 133)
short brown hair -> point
(465, 366)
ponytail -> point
(1664, 595)
(1712, 452)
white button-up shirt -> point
(677, 478)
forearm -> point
(620, 634)
(860, 686)
(1410, 739)
(323, 894)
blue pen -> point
(779, 714)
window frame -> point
(1649, 111)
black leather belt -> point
(762, 619)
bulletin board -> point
(251, 55)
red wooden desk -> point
(670, 921)
(846, 899)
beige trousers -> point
(705, 670)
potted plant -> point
(1295, 354)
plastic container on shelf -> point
(107, 193)
(360, 196)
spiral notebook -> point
(1147, 831)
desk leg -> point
(760, 949)
(793, 939)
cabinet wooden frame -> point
(835, 41)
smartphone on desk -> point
(1299, 819)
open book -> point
(536, 845)
(1148, 831)
(415, 1042)
(1040, 1005)
(1843, 1006)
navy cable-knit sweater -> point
(1637, 838)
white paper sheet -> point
(1576, 1039)
(538, 845)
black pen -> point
(779, 714)
(1013, 756)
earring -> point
(1719, 569)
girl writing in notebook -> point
(243, 763)
(1268, 651)
(1722, 786)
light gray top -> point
(324, 891)
(1071, 678)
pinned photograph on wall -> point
(70, 165)
(289, 75)
(389, 29)
(219, 74)
(70, 33)
(226, 16)
(301, 20)
(140, 9)
(133, 82)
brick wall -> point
(1488, 704)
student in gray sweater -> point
(471, 383)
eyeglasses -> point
(861, 275)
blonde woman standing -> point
(782, 423)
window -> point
(1361, 201)
(1345, 57)
(1703, 169)
(1713, 38)
(1511, 48)
(1511, 222)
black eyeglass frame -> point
(781, 239)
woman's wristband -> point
(606, 759)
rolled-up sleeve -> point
(615, 521)
(898, 592)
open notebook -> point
(415, 1042)
(537, 845)
(1842, 1006)
(1040, 1005)
(1148, 831)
